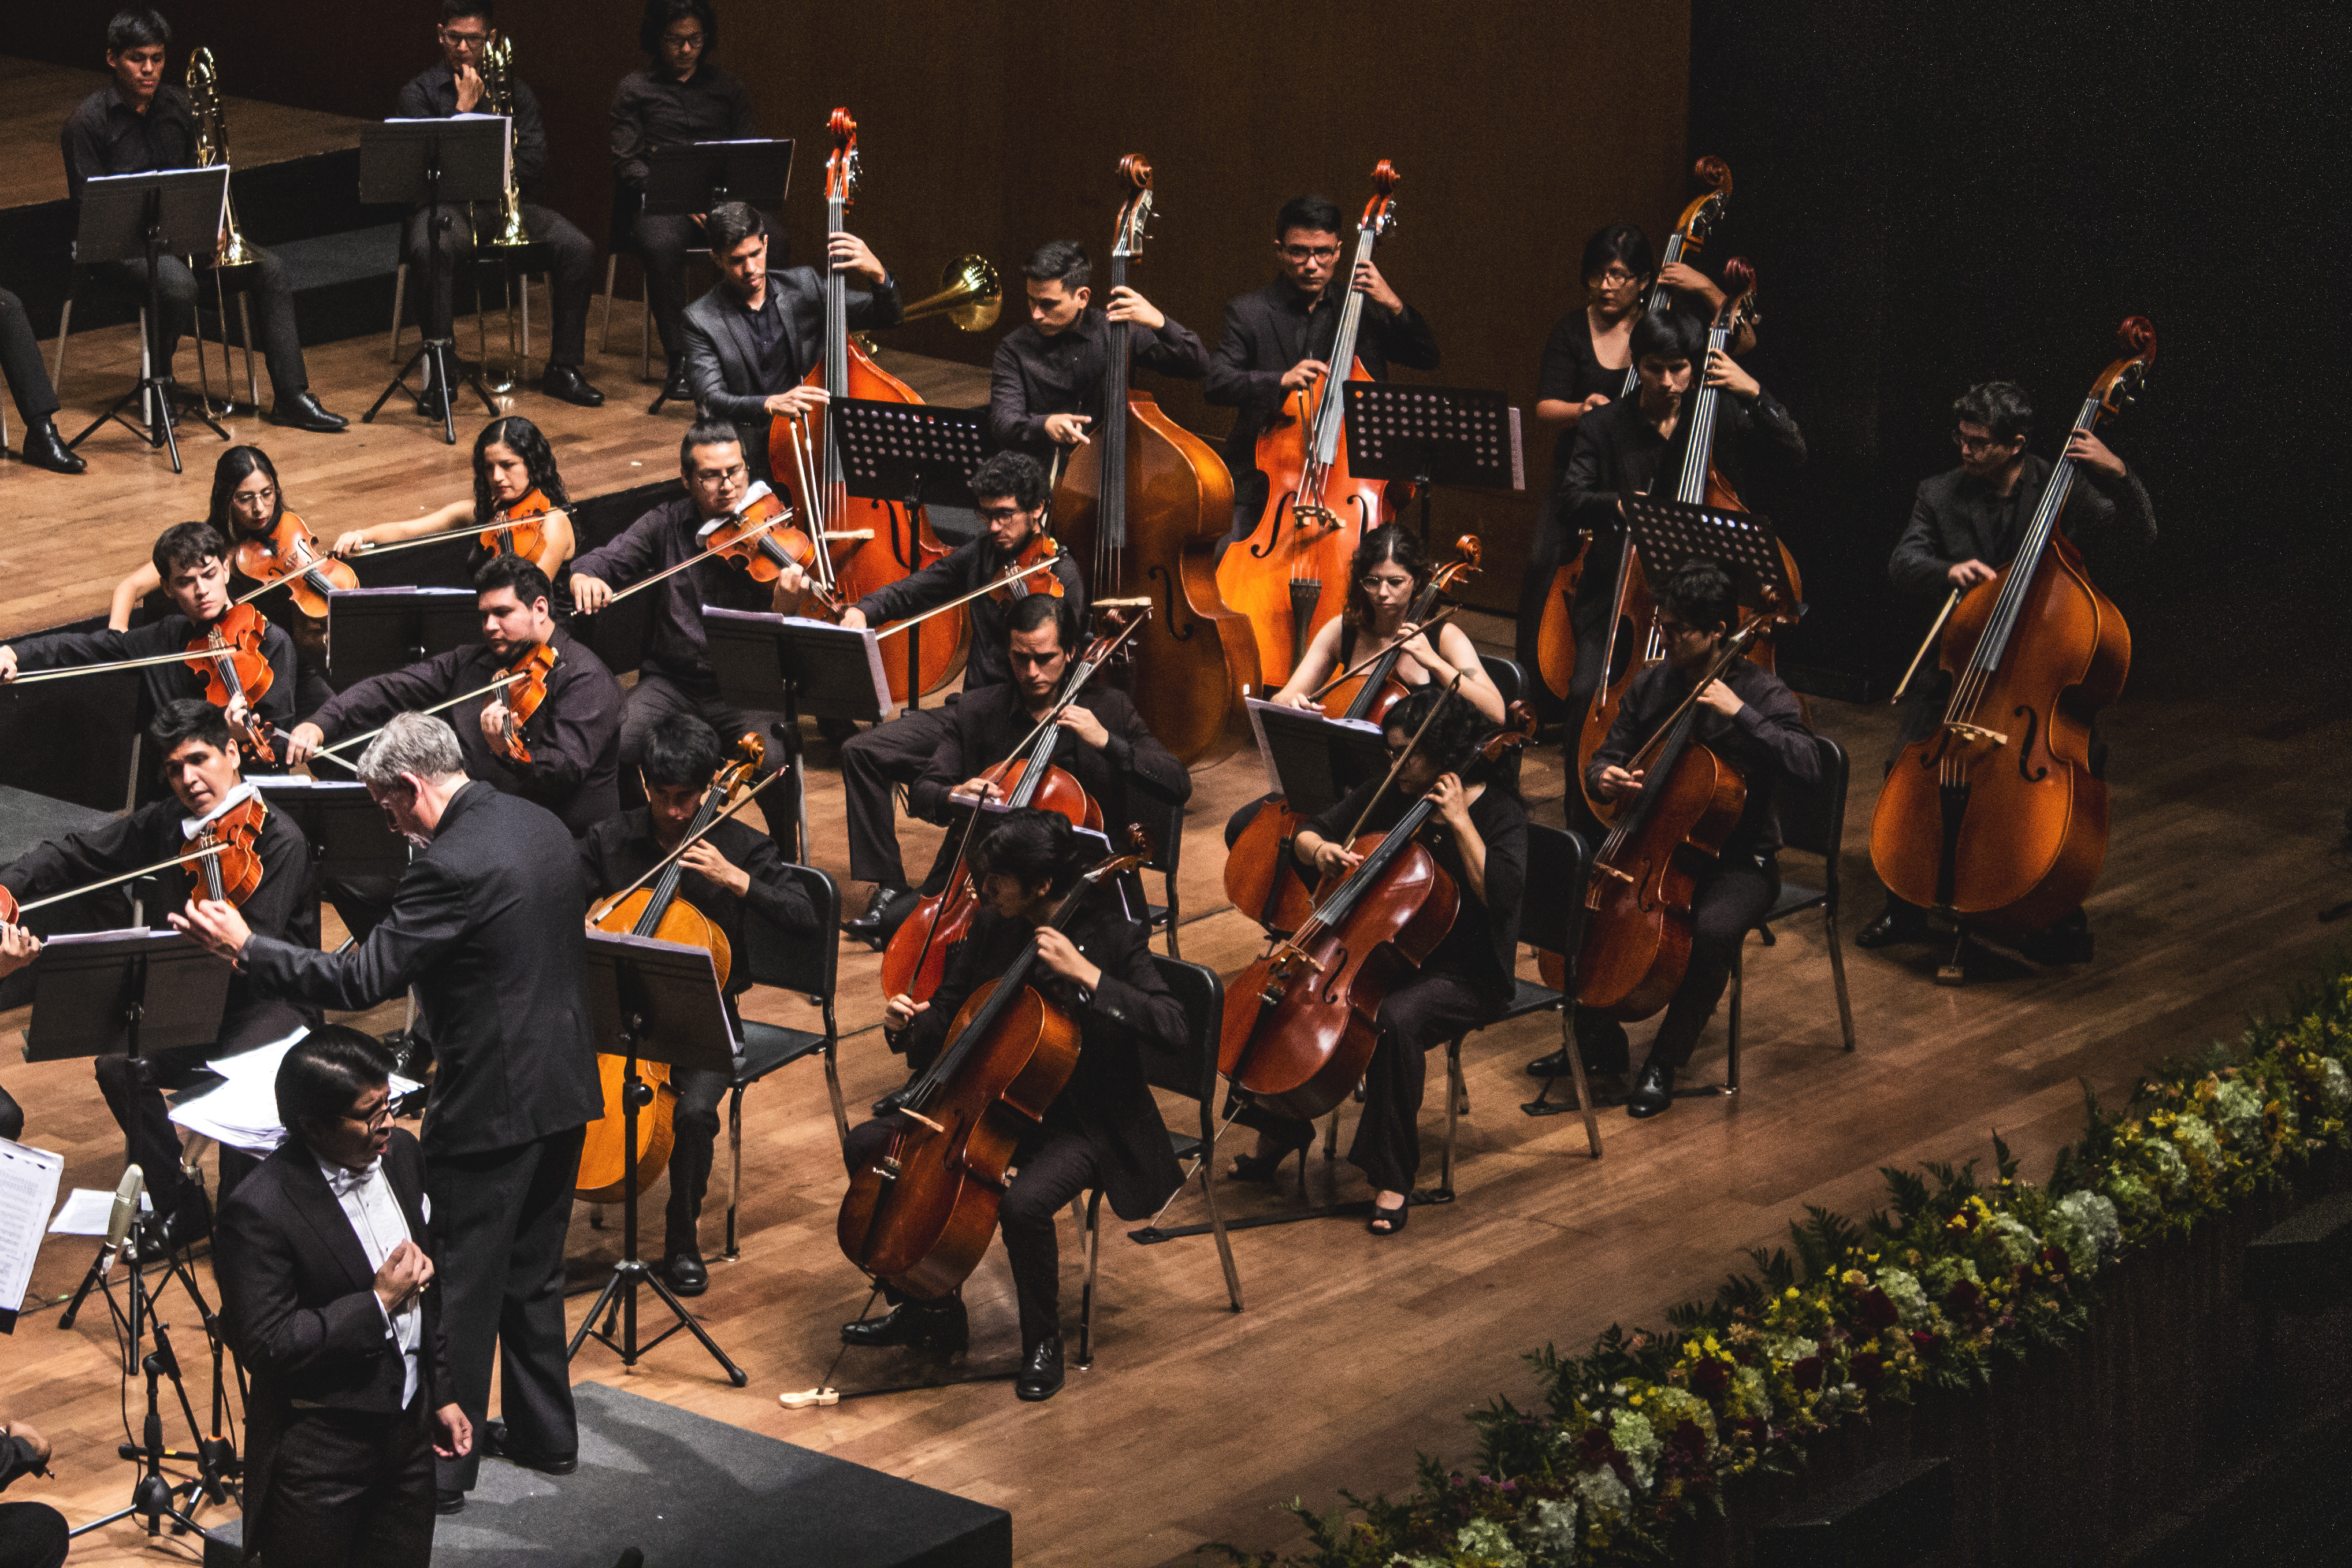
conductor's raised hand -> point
(217, 924)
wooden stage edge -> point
(1353, 1353)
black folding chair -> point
(1812, 822)
(1552, 920)
(1192, 1073)
(1508, 678)
(1167, 854)
(809, 965)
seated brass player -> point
(1751, 721)
(1103, 1130)
(1479, 836)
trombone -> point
(232, 251)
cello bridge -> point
(1305, 513)
(1978, 732)
(1623, 877)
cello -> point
(1146, 503)
(869, 543)
(656, 911)
(1996, 817)
(1289, 580)
(919, 1218)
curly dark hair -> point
(522, 437)
(1387, 543)
(1454, 738)
(1032, 846)
(1014, 474)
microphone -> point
(118, 1224)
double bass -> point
(1146, 501)
(869, 545)
(919, 1218)
(1290, 575)
(1996, 817)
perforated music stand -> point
(428, 162)
(373, 631)
(650, 1001)
(768, 662)
(1668, 532)
(915, 455)
(683, 182)
(128, 217)
(1464, 437)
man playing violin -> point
(1103, 1130)
(1751, 721)
(1480, 839)
(193, 562)
(731, 873)
(564, 756)
(1045, 384)
(201, 771)
(1011, 494)
(1966, 525)
(1278, 339)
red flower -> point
(1865, 1369)
(1924, 1342)
(1710, 1378)
(1807, 1374)
(1877, 1311)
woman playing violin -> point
(1102, 1131)
(512, 464)
(1479, 836)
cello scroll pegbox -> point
(1379, 212)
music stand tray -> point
(142, 217)
(1668, 532)
(372, 631)
(695, 178)
(1313, 761)
(913, 453)
(123, 991)
(432, 164)
(1466, 436)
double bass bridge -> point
(1968, 733)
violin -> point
(657, 911)
(236, 673)
(1996, 817)
(520, 528)
(759, 539)
(1031, 572)
(1289, 581)
(1369, 691)
(916, 958)
(525, 697)
(288, 556)
(920, 1218)
(223, 859)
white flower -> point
(2195, 1134)
(1754, 1400)
(1550, 1532)
(2239, 1110)
(2334, 1084)
(1602, 1493)
(2092, 1234)
(2016, 1238)
(1633, 1437)
(2169, 1166)
(1486, 1540)
(1902, 1288)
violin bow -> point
(1377, 655)
(1011, 575)
(685, 844)
(1728, 655)
(183, 656)
(443, 536)
(183, 858)
(499, 684)
(786, 515)
(1404, 756)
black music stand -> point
(657, 1002)
(372, 631)
(767, 663)
(1462, 436)
(914, 454)
(425, 163)
(348, 833)
(128, 217)
(1312, 761)
(1668, 532)
(689, 181)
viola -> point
(1031, 572)
(656, 911)
(222, 858)
(759, 539)
(1291, 576)
(1996, 817)
(229, 654)
(288, 556)
(869, 545)
(526, 696)
(1369, 692)
(920, 1218)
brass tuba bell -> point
(211, 147)
(970, 296)
(498, 94)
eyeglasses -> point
(1001, 513)
(1374, 585)
(374, 1119)
(1616, 278)
(688, 42)
(1967, 443)
(1309, 252)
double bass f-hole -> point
(2025, 747)
(1167, 582)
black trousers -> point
(32, 1535)
(501, 1215)
(1055, 1164)
(351, 1487)
(655, 697)
(872, 761)
(694, 1140)
(133, 1088)
(434, 249)
(1425, 1012)
(270, 298)
(1724, 910)
(20, 361)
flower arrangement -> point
(1938, 1291)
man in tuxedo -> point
(751, 341)
(326, 1269)
(486, 927)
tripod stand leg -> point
(735, 1375)
(81, 1293)
(604, 1299)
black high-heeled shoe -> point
(1267, 1167)
(1394, 1219)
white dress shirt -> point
(374, 1214)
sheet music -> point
(29, 1185)
(241, 1112)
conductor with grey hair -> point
(485, 926)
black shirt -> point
(1133, 778)
(432, 94)
(676, 646)
(104, 135)
(163, 683)
(1572, 372)
(575, 738)
(1958, 517)
(653, 109)
(962, 570)
(1482, 947)
(779, 366)
(618, 850)
(1033, 376)
(1268, 331)
(1765, 741)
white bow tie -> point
(342, 1183)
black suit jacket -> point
(722, 362)
(486, 925)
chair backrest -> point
(1551, 911)
(1813, 816)
(808, 964)
(1163, 822)
(1508, 678)
(1193, 1073)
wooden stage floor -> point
(1195, 1422)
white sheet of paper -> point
(242, 1113)
(29, 1185)
(85, 1211)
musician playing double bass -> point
(201, 769)
(1009, 490)
(1966, 524)
(733, 869)
(1480, 839)
(1103, 1130)
(1046, 383)
(1751, 721)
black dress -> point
(1570, 373)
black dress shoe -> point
(433, 403)
(45, 449)
(938, 1325)
(492, 1437)
(445, 1501)
(1654, 1091)
(884, 912)
(677, 389)
(1894, 926)
(303, 412)
(565, 382)
(686, 1274)
(1041, 1370)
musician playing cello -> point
(1104, 1129)
(202, 769)
(1046, 383)
(1480, 839)
(1751, 721)
(732, 869)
